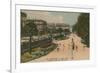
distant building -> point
(41, 25)
(62, 25)
(58, 25)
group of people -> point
(72, 42)
(73, 45)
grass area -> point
(37, 53)
(26, 57)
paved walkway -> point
(64, 51)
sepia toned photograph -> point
(48, 36)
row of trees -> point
(82, 27)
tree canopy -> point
(82, 27)
(29, 29)
(23, 14)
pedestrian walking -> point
(57, 49)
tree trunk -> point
(30, 48)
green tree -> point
(30, 31)
(23, 20)
(82, 27)
(60, 30)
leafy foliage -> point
(29, 29)
(82, 27)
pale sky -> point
(53, 17)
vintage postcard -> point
(54, 36)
